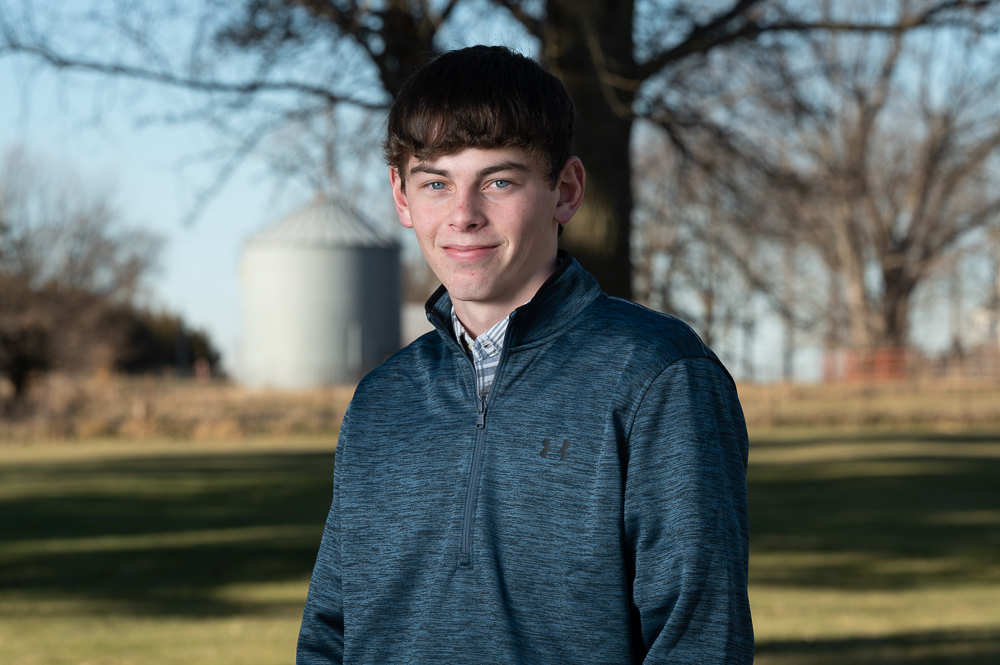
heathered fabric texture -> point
(598, 517)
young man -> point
(553, 475)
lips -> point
(468, 252)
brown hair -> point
(481, 97)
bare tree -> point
(897, 170)
(66, 263)
(684, 245)
(263, 65)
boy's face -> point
(487, 219)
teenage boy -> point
(552, 475)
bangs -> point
(444, 132)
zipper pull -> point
(481, 422)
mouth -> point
(468, 252)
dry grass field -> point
(875, 523)
(941, 405)
(150, 408)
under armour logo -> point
(547, 446)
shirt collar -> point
(486, 345)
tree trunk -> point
(788, 348)
(585, 39)
(851, 262)
(409, 44)
(899, 287)
(407, 35)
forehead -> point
(476, 161)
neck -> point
(478, 316)
(477, 319)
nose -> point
(467, 213)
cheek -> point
(425, 238)
(422, 238)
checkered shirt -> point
(485, 350)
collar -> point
(486, 345)
(566, 293)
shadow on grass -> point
(922, 649)
(165, 536)
(162, 535)
(895, 435)
(882, 522)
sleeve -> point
(686, 526)
(321, 637)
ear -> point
(571, 185)
(399, 197)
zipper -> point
(472, 490)
(481, 421)
(468, 515)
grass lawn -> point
(875, 547)
(159, 553)
(872, 547)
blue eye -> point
(436, 185)
(502, 184)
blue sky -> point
(86, 125)
(91, 124)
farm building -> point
(321, 299)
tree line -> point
(71, 273)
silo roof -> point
(323, 223)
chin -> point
(469, 292)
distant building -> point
(985, 320)
(321, 299)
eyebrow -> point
(508, 165)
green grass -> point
(867, 547)
(158, 554)
(875, 547)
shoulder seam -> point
(645, 390)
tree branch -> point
(60, 61)
(729, 28)
(609, 81)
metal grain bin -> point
(321, 299)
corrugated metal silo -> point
(321, 299)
